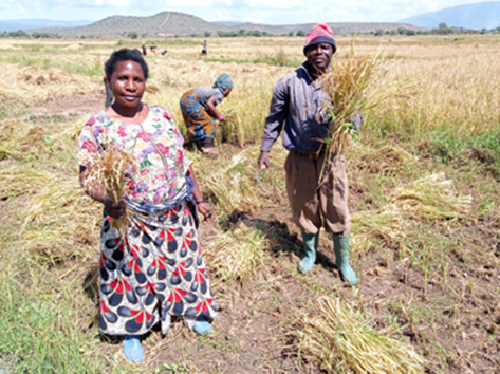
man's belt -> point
(312, 155)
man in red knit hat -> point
(298, 101)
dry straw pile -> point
(337, 342)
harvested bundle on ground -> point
(16, 181)
(234, 186)
(20, 141)
(237, 253)
(334, 339)
(388, 160)
(370, 225)
(110, 170)
(60, 221)
(432, 197)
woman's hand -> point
(221, 118)
(204, 209)
(115, 210)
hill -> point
(171, 23)
(471, 16)
(32, 24)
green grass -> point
(85, 67)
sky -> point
(257, 11)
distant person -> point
(314, 203)
(109, 93)
(152, 48)
(164, 52)
(144, 49)
(204, 50)
(199, 112)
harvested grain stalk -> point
(111, 170)
(333, 338)
(233, 186)
(432, 197)
(348, 88)
(237, 253)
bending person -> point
(156, 270)
(198, 108)
(312, 202)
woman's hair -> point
(125, 55)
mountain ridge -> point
(475, 16)
(175, 23)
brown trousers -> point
(310, 204)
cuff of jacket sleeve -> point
(267, 144)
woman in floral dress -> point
(155, 270)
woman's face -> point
(128, 84)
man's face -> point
(319, 56)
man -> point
(204, 51)
(298, 99)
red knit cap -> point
(321, 33)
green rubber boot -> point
(342, 254)
(310, 242)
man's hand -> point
(115, 210)
(264, 160)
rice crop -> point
(237, 253)
(335, 338)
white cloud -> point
(278, 4)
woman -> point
(199, 112)
(154, 271)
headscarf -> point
(321, 33)
(223, 82)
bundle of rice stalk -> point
(370, 225)
(386, 160)
(347, 85)
(237, 253)
(334, 339)
(432, 197)
(234, 185)
(111, 170)
(20, 141)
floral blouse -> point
(151, 183)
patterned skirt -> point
(153, 273)
(198, 122)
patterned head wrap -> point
(321, 33)
(223, 82)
